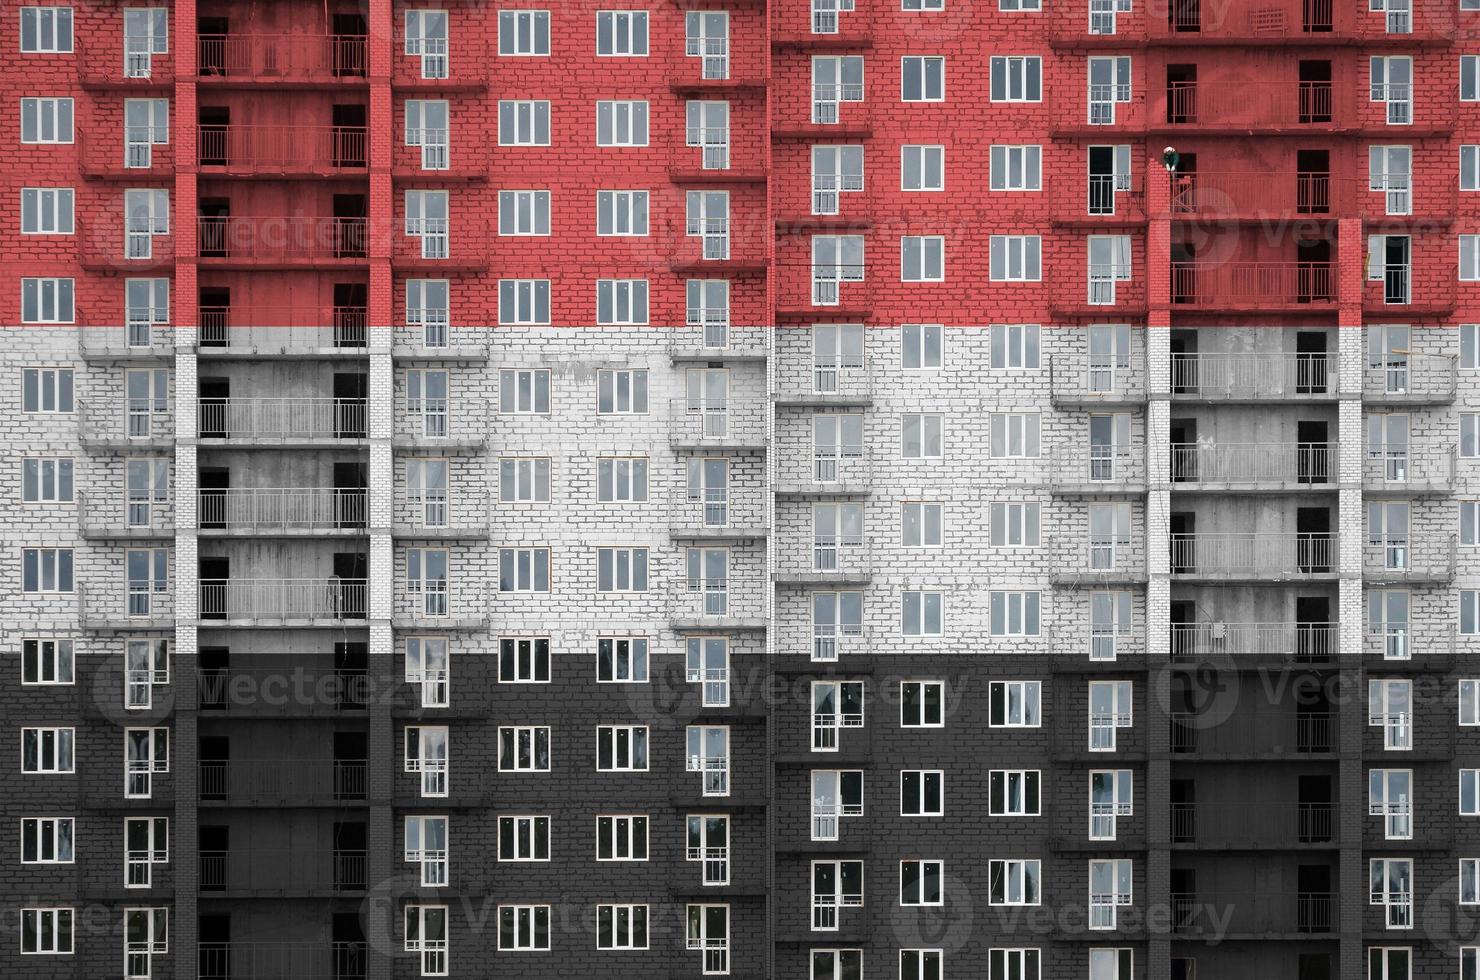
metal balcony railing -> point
(272, 239)
(1252, 284)
(438, 600)
(735, 421)
(708, 331)
(1089, 378)
(1254, 463)
(258, 690)
(1246, 103)
(1246, 194)
(120, 515)
(1253, 555)
(288, 872)
(282, 149)
(1405, 466)
(1086, 465)
(143, 339)
(1409, 557)
(255, 781)
(824, 643)
(1259, 19)
(335, 960)
(1215, 911)
(1253, 733)
(717, 600)
(1102, 642)
(1083, 558)
(139, 420)
(272, 509)
(437, 511)
(1253, 376)
(715, 509)
(826, 555)
(1246, 824)
(284, 330)
(277, 58)
(283, 599)
(839, 468)
(437, 421)
(143, 604)
(1411, 378)
(281, 419)
(1278, 642)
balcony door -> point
(215, 573)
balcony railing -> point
(277, 58)
(822, 380)
(282, 239)
(281, 419)
(1219, 912)
(289, 872)
(1253, 376)
(127, 420)
(1399, 467)
(841, 469)
(334, 960)
(1249, 464)
(283, 599)
(1252, 284)
(1409, 558)
(270, 509)
(1104, 642)
(1080, 558)
(827, 556)
(708, 333)
(282, 149)
(736, 422)
(1256, 642)
(131, 605)
(138, 339)
(1249, 104)
(824, 643)
(262, 781)
(1253, 555)
(281, 689)
(282, 330)
(716, 509)
(1253, 733)
(1087, 378)
(1254, 19)
(1243, 824)
(441, 600)
(1411, 378)
(717, 600)
(1246, 194)
(118, 515)
(1098, 467)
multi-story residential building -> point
(932, 490)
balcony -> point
(1257, 21)
(282, 60)
(1408, 558)
(1254, 734)
(271, 512)
(1097, 468)
(1226, 286)
(1400, 642)
(270, 873)
(830, 560)
(147, 341)
(842, 472)
(824, 643)
(282, 421)
(339, 332)
(1078, 644)
(1253, 915)
(126, 608)
(439, 245)
(105, 154)
(282, 961)
(709, 336)
(1397, 468)
(737, 602)
(115, 516)
(278, 782)
(106, 66)
(440, 515)
(1250, 466)
(1081, 560)
(1242, 105)
(108, 245)
(1411, 379)
(283, 602)
(287, 689)
(438, 340)
(1107, 201)
(281, 151)
(1255, 644)
(1254, 377)
(1230, 195)
(127, 423)
(439, 604)
(1254, 556)
(1267, 825)
(281, 242)
(717, 513)
(1094, 379)
(822, 383)
(730, 424)
(448, 423)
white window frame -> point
(626, 122)
(625, 746)
(929, 164)
(524, 33)
(50, 840)
(48, 661)
(1021, 792)
(529, 834)
(1020, 877)
(624, 837)
(519, 736)
(48, 211)
(52, 120)
(929, 797)
(49, 29)
(1020, 702)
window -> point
(1017, 79)
(46, 569)
(46, 300)
(1109, 711)
(1469, 167)
(836, 170)
(1111, 963)
(621, 569)
(524, 569)
(1469, 78)
(621, 479)
(709, 931)
(1013, 882)
(707, 126)
(426, 846)
(47, 750)
(1109, 889)
(707, 217)
(524, 392)
(835, 885)
(621, 927)
(1469, 612)
(1016, 168)
(1392, 83)
(146, 32)
(47, 661)
(921, 882)
(1390, 170)
(835, 705)
(1469, 962)
(523, 838)
(920, 524)
(146, 303)
(1111, 795)
(428, 579)
(835, 80)
(1014, 346)
(840, 964)
(46, 30)
(523, 122)
(46, 120)
(524, 660)
(1014, 524)
(623, 392)
(47, 931)
(1004, 963)
(922, 168)
(1469, 703)
(426, 38)
(427, 667)
(1015, 258)
(707, 37)
(426, 490)
(1013, 792)
(622, 33)
(622, 838)
(146, 665)
(1109, 84)
(922, 5)
(46, 480)
(622, 213)
(147, 482)
(145, 936)
(922, 704)
(922, 258)
(922, 792)
(46, 840)
(921, 436)
(46, 211)
(708, 752)
(1013, 435)
(146, 752)
(922, 613)
(836, 259)
(147, 571)
(707, 305)
(146, 124)
(707, 663)
(524, 301)
(922, 346)
(1109, 263)
(1390, 706)
(524, 212)
(426, 219)
(621, 123)
(524, 480)
(1469, 258)
(426, 936)
(427, 126)
(427, 306)
(524, 33)
(1469, 881)
(524, 748)
(622, 660)
(1013, 613)
(1390, 796)
(1392, 888)
(920, 964)
(1109, 621)
(146, 842)
(835, 794)
(1389, 963)
(621, 748)
(923, 79)
(1469, 792)
(427, 755)
(1015, 704)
